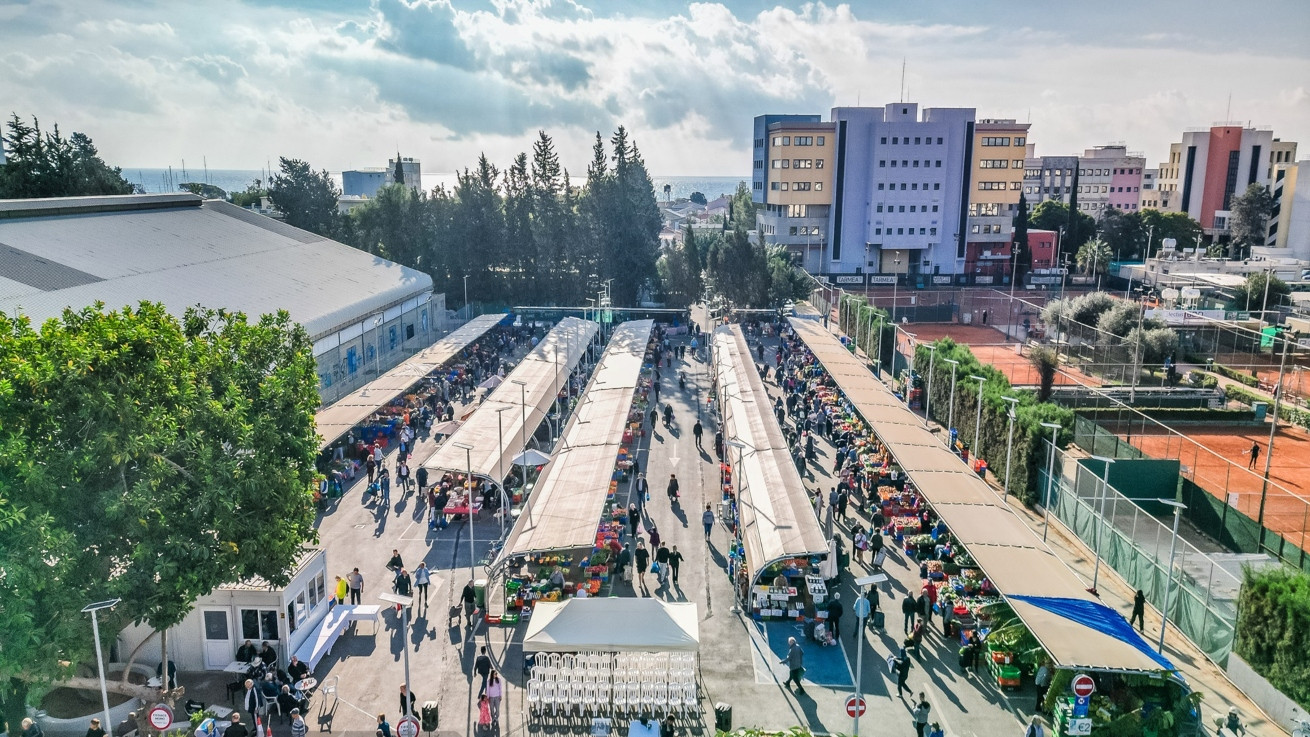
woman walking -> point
(495, 690)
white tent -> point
(613, 625)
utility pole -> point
(1273, 429)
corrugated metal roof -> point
(167, 249)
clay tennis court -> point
(1219, 465)
(989, 347)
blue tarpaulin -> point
(1098, 617)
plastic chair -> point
(673, 698)
(577, 695)
(619, 698)
(550, 696)
(660, 703)
(591, 697)
(534, 696)
(603, 695)
(634, 696)
(691, 697)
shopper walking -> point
(835, 610)
(675, 562)
(422, 577)
(672, 489)
(909, 608)
(356, 582)
(643, 559)
(1139, 610)
(707, 521)
(921, 710)
(482, 667)
(902, 672)
(795, 661)
(662, 560)
(698, 430)
(495, 692)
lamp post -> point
(466, 296)
(1273, 429)
(405, 603)
(896, 283)
(1050, 478)
(500, 432)
(950, 411)
(1105, 491)
(977, 419)
(468, 488)
(738, 484)
(1009, 446)
(523, 431)
(1169, 587)
(377, 345)
(927, 397)
(1014, 269)
(877, 362)
(92, 609)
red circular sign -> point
(407, 727)
(855, 706)
(160, 717)
(1083, 685)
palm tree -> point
(1094, 258)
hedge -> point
(1273, 629)
(994, 436)
(1235, 375)
(1174, 414)
(858, 318)
(1286, 412)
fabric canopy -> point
(1016, 561)
(566, 505)
(496, 436)
(777, 518)
(613, 625)
(354, 408)
(1096, 616)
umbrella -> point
(491, 383)
(531, 457)
(447, 428)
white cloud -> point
(346, 85)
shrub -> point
(1273, 629)
(1235, 375)
(1286, 412)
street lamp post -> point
(1105, 492)
(896, 284)
(1050, 478)
(977, 419)
(523, 431)
(1273, 429)
(500, 432)
(405, 602)
(877, 361)
(950, 411)
(93, 609)
(1014, 269)
(1169, 587)
(466, 296)
(1009, 446)
(927, 397)
(468, 489)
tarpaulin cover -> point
(615, 624)
(1098, 617)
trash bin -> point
(1261, 409)
(723, 717)
(480, 592)
(428, 716)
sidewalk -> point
(1201, 674)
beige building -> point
(797, 194)
(997, 170)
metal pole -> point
(862, 607)
(1014, 267)
(896, 286)
(1168, 589)
(404, 623)
(977, 420)
(1009, 446)
(500, 432)
(466, 296)
(950, 411)
(100, 664)
(1050, 479)
(927, 397)
(877, 362)
(1269, 451)
(1105, 491)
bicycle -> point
(1300, 727)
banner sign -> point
(850, 279)
(882, 279)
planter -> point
(77, 725)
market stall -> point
(613, 625)
(566, 537)
(779, 544)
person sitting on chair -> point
(287, 700)
(247, 652)
(297, 670)
(268, 654)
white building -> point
(1289, 224)
(363, 313)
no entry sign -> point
(160, 717)
(1083, 685)
(407, 727)
(855, 706)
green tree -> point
(393, 225)
(1251, 294)
(1054, 215)
(1094, 257)
(740, 270)
(681, 275)
(41, 164)
(307, 199)
(1123, 232)
(190, 446)
(1024, 262)
(743, 208)
(251, 195)
(786, 282)
(1248, 221)
(698, 198)
(1047, 363)
(623, 217)
(1177, 225)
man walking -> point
(707, 521)
(1255, 454)
(356, 582)
(1139, 610)
(673, 487)
(468, 597)
(662, 560)
(482, 667)
(902, 672)
(643, 491)
(909, 608)
(795, 660)
(835, 610)
(697, 430)
(675, 562)
(422, 577)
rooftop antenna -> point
(205, 161)
(902, 79)
(1030, 115)
(1228, 114)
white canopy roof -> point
(352, 409)
(613, 625)
(777, 518)
(541, 380)
(1006, 549)
(566, 505)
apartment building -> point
(1150, 197)
(1289, 224)
(1212, 165)
(1109, 176)
(792, 185)
(997, 173)
(1049, 178)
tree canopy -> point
(1251, 294)
(1123, 232)
(306, 198)
(1160, 225)
(1248, 221)
(1055, 215)
(46, 164)
(147, 458)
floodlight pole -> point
(1273, 429)
(93, 609)
(1169, 586)
(504, 498)
(405, 602)
(927, 397)
(1009, 446)
(977, 421)
(1105, 492)
(950, 411)
(468, 488)
(1050, 479)
(877, 361)
(523, 431)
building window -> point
(939, 140)
(784, 186)
(914, 185)
(974, 229)
(923, 231)
(880, 186)
(936, 185)
(900, 231)
(791, 230)
(932, 231)
(902, 208)
(882, 163)
(893, 163)
(939, 163)
(912, 208)
(804, 141)
(773, 186)
(996, 141)
(818, 163)
(879, 208)
(259, 624)
(819, 140)
(877, 231)
(759, 185)
(916, 163)
(786, 140)
(1019, 140)
(818, 186)
(883, 140)
(991, 185)
(801, 187)
(895, 139)
(1018, 163)
(779, 163)
(934, 208)
(993, 164)
(902, 186)
(905, 163)
(1015, 186)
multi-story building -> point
(997, 173)
(1289, 224)
(1049, 178)
(899, 202)
(1151, 198)
(410, 169)
(792, 185)
(363, 182)
(1210, 166)
(1109, 176)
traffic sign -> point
(160, 717)
(1080, 727)
(856, 705)
(407, 727)
(1083, 685)
(1081, 705)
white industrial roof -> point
(182, 251)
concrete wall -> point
(1272, 701)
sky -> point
(348, 83)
